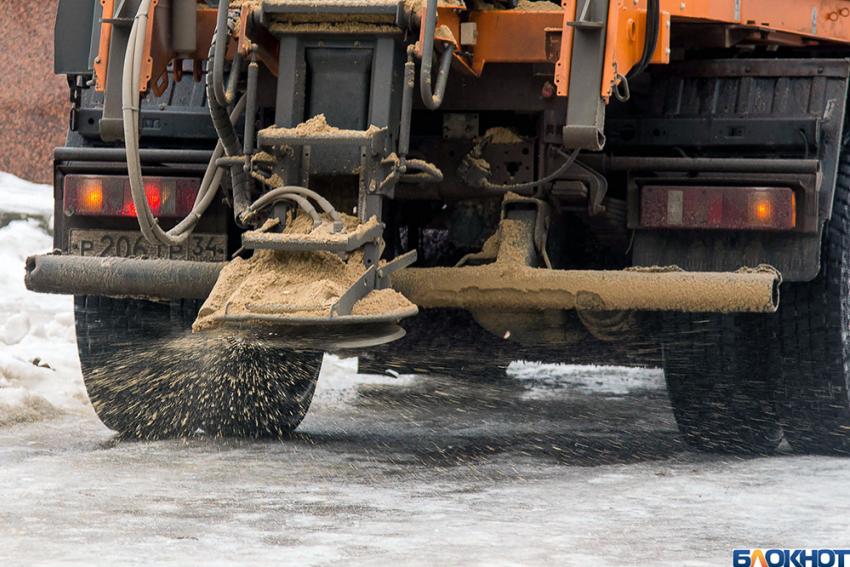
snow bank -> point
(22, 199)
(39, 369)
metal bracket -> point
(582, 22)
(111, 124)
(393, 266)
(305, 242)
(596, 183)
(358, 290)
(585, 107)
(384, 11)
(375, 141)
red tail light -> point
(725, 208)
(110, 196)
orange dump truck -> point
(448, 185)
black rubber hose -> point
(650, 44)
(654, 22)
(523, 187)
(227, 134)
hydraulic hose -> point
(233, 79)
(221, 122)
(304, 192)
(219, 48)
(424, 171)
(520, 187)
(281, 194)
(653, 27)
(433, 98)
(212, 176)
(287, 190)
(131, 83)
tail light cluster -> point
(729, 208)
(109, 195)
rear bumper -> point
(121, 277)
(472, 288)
(498, 287)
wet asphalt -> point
(428, 470)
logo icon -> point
(791, 558)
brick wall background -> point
(34, 103)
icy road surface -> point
(559, 465)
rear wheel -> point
(812, 337)
(722, 399)
(149, 376)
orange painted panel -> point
(625, 41)
(720, 10)
(103, 48)
(102, 60)
(827, 19)
(562, 67)
(511, 36)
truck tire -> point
(813, 346)
(720, 401)
(148, 376)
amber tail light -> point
(91, 195)
(725, 208)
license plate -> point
(128, 244)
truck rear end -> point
(535, 180)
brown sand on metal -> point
(332, 27)
(302, 226)
(316, 126)
(501, 135)
(382, 301)
(529, 6)
(298, 284)
(443, 32)
(418, 6)
(512, 287)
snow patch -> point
(39, 369)
(24, 197)
(17, 405)
(339, 381)
(543, 380)
(16, 328)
